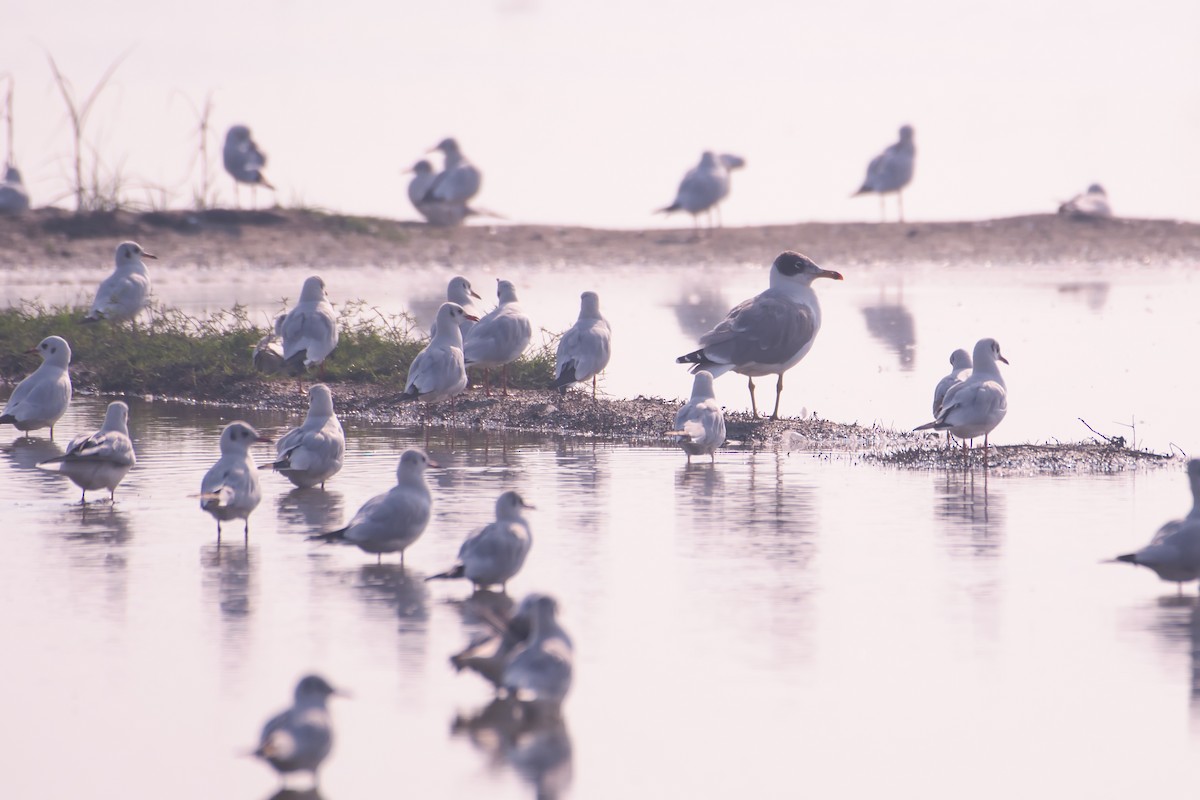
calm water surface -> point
(775, 626)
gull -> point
(459, 291)
(442, 213)
(501, 336)
(14, 198)
(496, 552)
(1174, 552)
(392, 521)
(299, 739)
(124, 293)
(769, 333)
(310, 329)
(438, 372)
(487, 655)
(42, 398)
(313, 452)
(891, 170)
(230, 488)
(268, 353)
(975, 406)
(100, 460)
(459, 179)
(1092, 204)
(700, 424)
(960, 370)
(584, 350)
(243, 160)
(541, 671)
(705, 185)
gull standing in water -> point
(244, 161)
(500, 337)
(541, 672)
(459, 291)
(978, 404)
(488, 655)
(310, 330)
(42, 398)
(299, 739)
(495, 553)
(769, 333)
(584, 350)
(312, 453)
(700, 424)
(392, 521)
(705, 185)
(1092, 204)
(124, 293)
(438, 372)
(1174, 552)
(100, 460)
(14, 198)
(891, 170)
(230, 488)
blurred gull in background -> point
(891, 170)
(244, 161)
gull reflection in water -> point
(1176, 619)
(311, 510)
(1093, 294)
(296, 794)
(393, 586)
(699, 310)
(229, 573)
(892, 323)
(539, 750)
(975, 515)
(27, 453)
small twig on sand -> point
(1115, 441)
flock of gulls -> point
(444, 198)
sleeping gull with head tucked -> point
(392, 521)
(975, 406)
(584, 350)
(42, 398)
(124, 293)
(769, 333)
(98, 460)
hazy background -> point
(589, 113)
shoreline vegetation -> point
(171, 356)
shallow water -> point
(774, 625)
(1098, 342)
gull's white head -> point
(906, 133)
(313, 689)
(237, 133)
(452, 314)
(413, 463)
(130, 255)
(313, 289)
(320, 400)
(702, 386)
(12, 174)
(509, 505)
(589, 305)
(960, 359)
(459, 291)
(987, 351)
(800, 268)
(422, 168)
(506, 292)
(54, 351)
(116, 418)
(448, 146)
(1096, 188)
(238, 436)
(708, 159)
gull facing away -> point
(540, 673)
(243, 160)
(488, 655)
(438, 372)
(392, 521)
(769, 333)
(459, 291)
(268, 353)
(459, 179)
(584, 350)
(230, 488)
(14, 198)
(299, 738)
(705, 185)
(100, 460)
(700, 424)
(124, 293)
(312, 453)
(978, 404)
(960, 370)
(1092, 204)
(500, 337)
(891, 171)
(496, 552)
(310, 329)
(1174, 552)
(42, 398)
